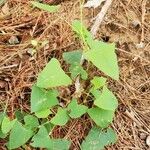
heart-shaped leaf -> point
(61, 118)
(7, 124)
(76, 110)
(98, 82)
(103, 56)
(53, 76)
(73, 57)
(42, 99)
(31, 122)
(98, 139)
(18, 136)
(41, 139)
(107, 100)
(43, 113)
(101, 117)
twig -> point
(78, 86)
(143, 19)
(132, 115)
(100, 17)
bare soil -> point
(127, 23)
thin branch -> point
(143, 18)
(100, 17)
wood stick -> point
(100, 17)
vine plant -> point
(46, 112)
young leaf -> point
(43, 113)
(76, 110)
(41, 139)
(78, 70)
(45, 6)
(18, 136)
(42, 99)
(101, 117)
(53, 76)
(7, 125)
(73, 57)
(80, 29)
(98, 82)
(31, 122)
(107, 100)
(98, 139)
(61, 118)
(104, 58)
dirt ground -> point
(127, 23)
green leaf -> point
(94, 44)
(49, 126)
(61, 118)
(101, 117)
(45, 6)
(98, 139)
(43, 114)
(80, 29)
(53, 76)
(73, 57)
(18, 136)
(2, 115)
(78, 70)
(31, 122)
(95, 93)
(98, 82)
(19, 115)
(41, 139)
(7, 125)
(76, 110)
(107, 100)
(60, 144)
(2, 135)
(103, 56)
(42, 99)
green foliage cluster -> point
(46, 112)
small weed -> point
(44, 97)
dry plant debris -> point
(127, 23)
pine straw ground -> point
(127, 24)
